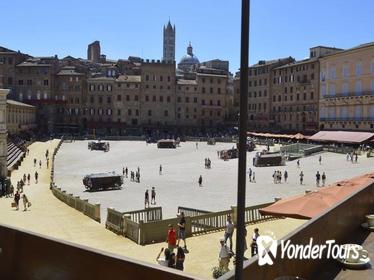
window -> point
(203, 89)
(29, 82)
(345, 71)
(100, 99)
(358, 112)
(323, 90)
(166, 113)
(203, 102)
(345, 89)
(168, 78)
(136, 97)
(154, 98)
(45, 82)
(211, 90)
(358, 87)
(161, 99)
(168, 99)
(312, 95)
(119, 97)
(187, 99)
(91, 99)
(147, 77)
(358, 69)
(108, 99)
(219, 90)
(20, 82)
(333, 73)
(137, 112)
(147, 98)
(149, 113)
(129, 112)
(161, 78)
(332, 89)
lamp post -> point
(244, 49)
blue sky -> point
(278, 28)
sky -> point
(278, 28)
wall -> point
(31, 256)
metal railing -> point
(145, 215)
(191, 212)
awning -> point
(309, 205)
(349, 137)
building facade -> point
(19, 117)
(347, 89)
(260, 77)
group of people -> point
(226, 251)
(319, 177)
(353, 157)
(277, 176)
(208, 163)
(22, 182)
(153, 197)
(170, 259)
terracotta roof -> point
(307, 206)
(351, 137)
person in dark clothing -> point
(182, 229)
(179, 262)
(17, 197)
(146, 199)
(200, 181)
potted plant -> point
(217, 272)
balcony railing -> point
(344, 119)
(350, 94)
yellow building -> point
(20, 116)
(347, 89)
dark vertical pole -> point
(242, 168)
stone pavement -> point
(51, 217)
(178, 186)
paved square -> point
(178, 185)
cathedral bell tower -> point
(169, 42)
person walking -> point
(160, 170)
(320, 160)
(285, 176)
(182, 230)
(40, 164)
(298, 163)
(34, 162)
(17, 197)
(146, 199)
(25, 202)
(301, 177)
(356, 157)
(126, 171)
(250, 174)
(47, 163)
(153, 196)
(123, 171)
(318, 178)
(323, 179)
(171, 238)
(254, 177)
(224, 256)
(200, 181)
(36, 177)
(229, 231)
(28, 179)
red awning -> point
(309, 205)
(351, 137)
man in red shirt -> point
(172, 238)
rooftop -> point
(129, 78)
(17, 103)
